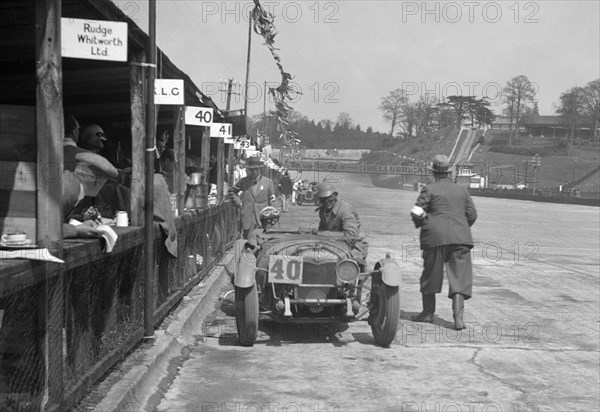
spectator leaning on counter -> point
(445, 213)
(257, 191)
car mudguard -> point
(390, 272)
(245, 275)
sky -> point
(346, 56)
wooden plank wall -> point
(18, 170)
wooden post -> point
(50, 135)
(149, 176)
(220, 164)
(230, 164)
(138, 137)
(179, 149)
(205, 164)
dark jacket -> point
(341, 218)
(450, 213)
(255, 196)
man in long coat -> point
(445, 213)
(257, 191)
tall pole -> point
(229, 88)
(248, 68)
(149, 198)
(265, 105)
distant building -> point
(501, 123)
(556, 126)
(466, 176)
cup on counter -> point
(122, 220)
(14, 237)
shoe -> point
(458, 308)
(428, 309)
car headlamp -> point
(347, 271)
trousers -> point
(459, 270)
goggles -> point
(268, 213)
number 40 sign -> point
(198, 116)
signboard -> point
(198, 116)
(352, 167)
(242, 143)
(285, 269)
(93, 39)
(168, 91)
(221, 130)
(251, 153)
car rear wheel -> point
(385, 323)
(246, 314)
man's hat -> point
(254, 162)
(325, 189)
(441, 164)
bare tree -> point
(409, 118)
(591, 103)
(518, 93)
(425, 111)
(392, 105)
(344, 121)
(570, 108)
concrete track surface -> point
(532, 342)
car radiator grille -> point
(319, 273)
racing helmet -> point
(270, 215)
(325, 190)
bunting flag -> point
(282, 94)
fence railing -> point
(550, 195)
(63, 326)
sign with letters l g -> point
(93, 39)
(168, 91)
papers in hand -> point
(107, 233)
(110, 236)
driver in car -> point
(337, 215)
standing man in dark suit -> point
(257, 192)
(445, 213)
(70, 148)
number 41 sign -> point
(220, 130)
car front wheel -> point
(246, 314)
(384, 323)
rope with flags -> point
(264, 26)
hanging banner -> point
(220, 130)
(168, 91)
(93, 39)
(198, 116)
